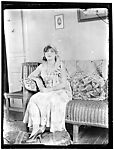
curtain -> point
(5, 84)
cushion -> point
(57, 138)
(33, 84)
(88, 86)
(61, 138)
(30, 84)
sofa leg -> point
(75, 133)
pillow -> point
(87, 87)
(33, 84)
(30, 84)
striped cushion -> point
(87, 113)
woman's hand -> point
(45, 90)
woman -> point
(47, 107)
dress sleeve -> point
(36, 73)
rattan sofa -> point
(80, 110)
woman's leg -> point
(58, 106)
(34, 116)
(42, 100)
(37, 110)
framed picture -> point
(59, 21)
(92, 14)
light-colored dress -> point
(48, 108)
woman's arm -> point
(36, 72)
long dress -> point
(48, 108)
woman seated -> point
(47, 107)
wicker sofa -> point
(89, 105)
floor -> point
(87, 135)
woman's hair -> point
(46, 50)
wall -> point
(27, 32)
(14, 47)
(83, 41)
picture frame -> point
(92, 14)
(59, 21)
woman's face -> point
(50, 54)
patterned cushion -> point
(61, 138)
(30, 84)
(33, 84)
(88, 86)
(88, 78)
(57, 138)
